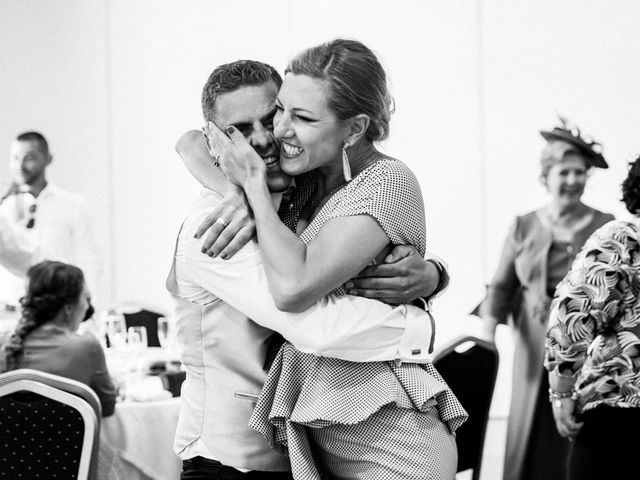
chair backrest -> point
(469, 365)
(50, 424)
(147, 319)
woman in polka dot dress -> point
(339, 419)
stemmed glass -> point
(137, 339)
(165, 331)
(137, 343)
(116, 329)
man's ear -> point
(49, 159)
(206, 131)
(358, 128)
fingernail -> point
(211, 254)
(203, 250)
(350, 292)
(230, 129)
(348, 285)
(223, 255)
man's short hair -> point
(35, 136)
(232, 76)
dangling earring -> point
(346, 168)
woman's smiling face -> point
(567, 179)
(310, 133)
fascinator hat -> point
(573, 140)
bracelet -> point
(440, 275)
(555, 397)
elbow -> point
(291, 298)
(186, 141)
(290, 304)
(108, 408)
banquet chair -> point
(147, 319)
(470, 366)
(49, 426)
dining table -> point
(139, 439)
(136, 442)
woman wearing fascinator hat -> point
(538, 251)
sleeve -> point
(502, 289)
(590, 296)
(101, 381)
(443, 271)
(17, 252)
(391, 194)
(346, 327)
(87, 249)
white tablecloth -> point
(141, 436)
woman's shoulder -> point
(602, 217)
(615, 228)
(85, 342)
(390, 164)
(529, 220)
(619, 237)
(389, 171)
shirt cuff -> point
(417, 341)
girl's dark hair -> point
(357, 82)
(631, 188)
(51, 286)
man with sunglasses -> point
(55, 221)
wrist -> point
(256, 191)
(555, 397)
(255, 182)
(441, 277)
(561, 382)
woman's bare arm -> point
(299, 274)
(240, 227)
(193, 151)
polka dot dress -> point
(377, 420)
(39, 438)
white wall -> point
(112, 84)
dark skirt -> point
(606, 446)
(547, 452)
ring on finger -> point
(217, 161)
(221, 221)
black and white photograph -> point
(319, 239)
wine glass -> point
(165, 331)
(137, 343)
(137, 338)
(116, 329)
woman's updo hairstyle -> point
(51, 286)
(358, 83)
(631, 188)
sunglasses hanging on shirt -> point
(32, 216)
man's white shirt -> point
(62, 230)
(215, 299)
(17, 252)
(345, 327)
